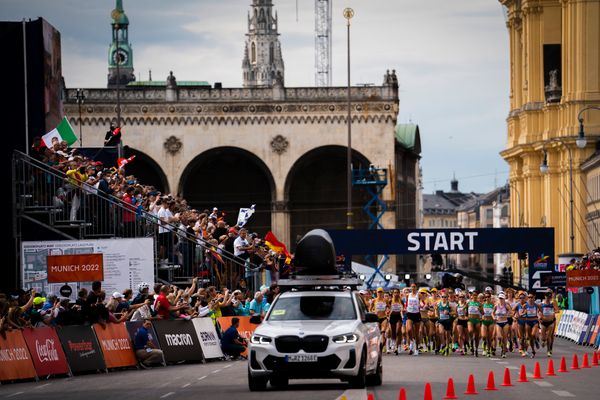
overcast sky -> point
(451, 58)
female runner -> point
(379, 306)
(461, 323)
(474, 310)
(487, 326)
(395, 319)
(548, 320)
(413, 319)
(502, 312)
(442, 313)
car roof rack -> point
(319, 282)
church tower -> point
(120, 55)
(263, 63)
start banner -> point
(15, 361)
(116, 345)
(75, 268)
(47, 354)
(207, 334)
(81, 348)
(178, 340)
(246, 329)
(583, 277)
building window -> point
(253, 57)
(552, 72)
(271, 53)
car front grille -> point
(310, 344)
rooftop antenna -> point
(150, 75)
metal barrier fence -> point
(77, 210)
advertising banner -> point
(15, 361)
(75, 268)
(116, 346)
(178, 340)
(81, 348)
(125, 263)
(47, 354)
(132, 328)
(246, 329)
(207, 334)
(583, 277)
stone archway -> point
(230, 178)
(145, 169)
(319, 200)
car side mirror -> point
(255, 319)
(370, 317)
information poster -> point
(126, 263)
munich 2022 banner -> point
(246, 329)
(178, 340)
(583, 277)
(46, 352)
(207, 334)
(75, 268)
(116, 345)
(126, 263)
(15, 361)
(81, 348)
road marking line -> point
(227, 366)
(543, 383)
(495, 359)
(164, 384)
(216, 371)
(167, 395)
(503, 362)
(563, 393)
(186, 385)
(202, 377)
(44, 385)
(512, 367)
(15, 394)
(353, 394)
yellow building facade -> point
(554, 74)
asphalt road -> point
(227, 380)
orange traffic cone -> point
(550, 371)
(402, 394)
(575, 364)
(428, 392)
(507, 381)
(491, 384)
(537, 374)
(471, 386)
(450, 394)
(595, 360)
(586, 362)
(370, 396)
(563, 365)
(523, 374)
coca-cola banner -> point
(47, 354)
(116, 345)
(15, 361)
(178, 340)
(81, 348)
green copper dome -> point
(118, 14)
(408, 136)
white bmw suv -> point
(315, 334)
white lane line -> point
(186, 385)
(353, 394)
(164, 384)
(495, 359)
(563, 393)
(513, 367)
(227, 366)
(216, 371)
(202, 377)
(15, 394)
(543, 383)
(503, 362)
(167, 395)
(44, 385)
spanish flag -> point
(275, 245)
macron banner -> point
(47, 354)
(81, 348)
(116, 345)
(75, 268)
(207, 334)
(178, 340)
(15, 361)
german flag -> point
(278, 247)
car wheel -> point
(279, 381)
(256, 383)
(360, 380)
(377, 378)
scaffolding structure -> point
(323, 42)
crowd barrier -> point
(579, 327)
(33, 353)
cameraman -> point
(232, 343)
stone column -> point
(280, 221)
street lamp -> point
(580, 142)
(348, 14)
(80, 97)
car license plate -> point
(301, 358)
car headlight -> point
(259, 339)
(346, 338)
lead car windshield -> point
(313, 308)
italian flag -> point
(63, 131)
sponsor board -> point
(15, 360)
(178, 340)
(75, 268)
(46, 352)
(583, 278)
(116, 346)
(207, 334)
(81, 348)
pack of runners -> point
(449, 321)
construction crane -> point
(323, 42)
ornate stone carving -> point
(280, 206)
(173, 145)
(279, 144)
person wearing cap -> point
(380, 307)
(474, 312)
(461, 322)
(487, 324)
(501, 312)
(432, 300)
(425, 307)
(548, 319)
